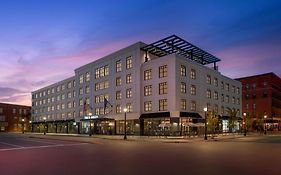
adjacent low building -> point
(262, 99)
(14, 118)
(164, 86)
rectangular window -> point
(216, 109)
(147, 106)
(193, 74)
(216, 82)
(216, 95)
(238, 101)
(222, 97)
(129, 93)
(148, 74)
(208, 79)
(81, 79)
(193, 106)
(118, 66)
(163, 88)
(222, 85)
(163, 71)
(208, 93)
(148, 90)
(183, 87)
(183, 104)
(81, 91)
(118, 95)
(129, 62)
(233, 89)
(118, 81)
(183, 71)
(87, 89)
(233, 100)
(238, 90)
(129, 78)
(227, 86)
(163, 105)
(193, 90)
(87, 77)
(118, 109)
(129, 107)
(227, 99)
(69, 85)
(222, 110)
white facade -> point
(127, 85)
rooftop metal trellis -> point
(175, 44)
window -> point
(163, 105)
(148, 90)
(247, 86)
(216, 95)
(183, 104)
(129, 107)
(129, 78)
(148, 74)
(216, 82)
(238, 101)
(118, 81)
(233, 89)
(227, 99)
(88, 101)
(58, 107)
(254, 106)
(193, 106)
(193, 74)
(183, 87)
(163, 71)
(147, 106)
(254, 86)
(238, 90)
(209, 107)
(81, 91)
(62, 106)
(87, 89)
(183, 71)
(1, 110)
(193, 90)
(129, 62)
(163, 88)
(208, 79)
(222, 85)
(81, 79)
(208, 93)
(233, 100)
(69, 85)
(101, 71)
(216, 109)
(118, 109)
(81, 102)
(222, 97)
(101, 85)
(227, 86)
(69, 105)
(264, 84)
(58, 88)
(222, 110)
(129, 93)
(118, 66)
(58, 98)
(62, 97)
(87, 77)
(118, 95)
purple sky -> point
(42, 42)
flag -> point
(106, 103)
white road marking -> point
(9, 144)
(31, 140)
(45, 146)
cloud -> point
(11, 95)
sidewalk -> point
(99, 139)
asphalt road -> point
(20, 155)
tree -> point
(213, 121)
(233, 119)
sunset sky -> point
(42, 42)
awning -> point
(190, 115)
(155, 115)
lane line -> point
(31, 140)
(40, 147)
(13, 145)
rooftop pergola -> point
(175, 44)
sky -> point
(42, 42)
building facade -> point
(14, 118)
(164, 86)
(262, 98)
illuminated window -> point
(118, 95)
(163, 71)
(216, 82)
(148, 74)
(81, 79)
(147, 106)
(208, 79)
(208, 93)
(163, 88)
(183, 104)
(129, 62)
(129, 78)
(129, 93)
(163, 105)
(148, 90)
(216, 95)
(87, 77)
(118, 66)
(129, 107)
(183, 87)
(193, 74)
(183, 71)
(118, 81)
(118, 109)
(193, 106)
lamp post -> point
(125, 124)
(244, 123)
(265, 116)
(30, 123)
(90, 130)
(44, 118)
(22, 125)
(205, 110)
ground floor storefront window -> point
(98, 126)
(133, 127)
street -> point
(20, 155)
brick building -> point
(262, 98)
(14, 117)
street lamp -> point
(265, 116)
(44, 118)
(125, 124)
(244, 123)
(90, 131)
(22, 125)
(205, 110)
(30, 123)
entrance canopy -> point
(175, 44)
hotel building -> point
(164, 86)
